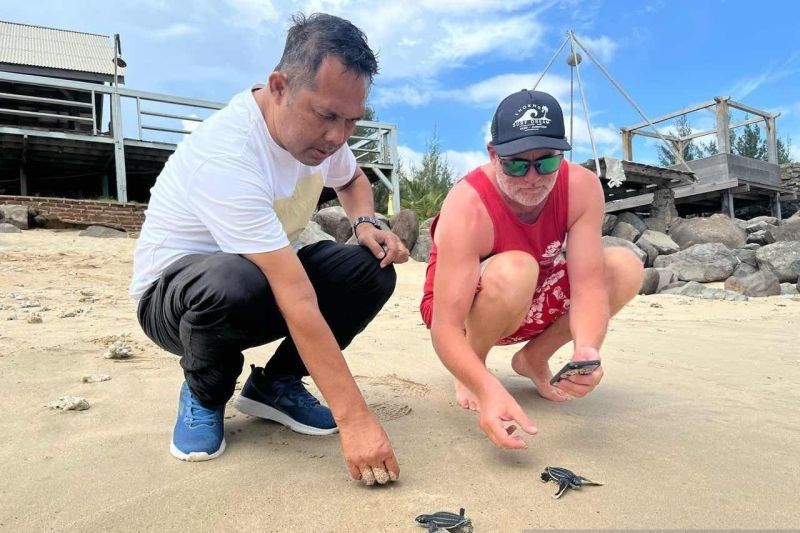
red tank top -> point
(542, 239)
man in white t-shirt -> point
(217, 269)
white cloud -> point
(463, 162)
(745, 86)
(603, 48)
(419, 39)
(486, 93)
(408, 156)
(254, 13)
(460, 162)
(175, 30)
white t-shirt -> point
(230, 188)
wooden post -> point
(776, 206)
(23, 181)
(627, 145)
(727, 203)
(723, 123)
(679, 146)
(772, 141)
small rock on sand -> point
(35, 318)
(69, 403)
(118, 350)
(95, 378)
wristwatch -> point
(366, 218)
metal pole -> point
(629, 99)
(588, 121)
(550, 64)
(119, 147)
(571, 102)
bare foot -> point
(465, 398)
(541, 375)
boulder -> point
(9, 228)
(789, 289)
(662, 242)
(103, 232)
(746, 256)
(798, 281)
(649, 249)
(758, 226)
(789, 231)
(422, 248)
(626, 231)
(763, 218)
(760, 238)
(715, 229)
(783, 258)
(333, 221)
(405, 225)
(743, 270)
(761, 283)
(609, 241)
(609, 221)
(650, 282)
(49, 221)
(698, 290)
(674, 285)
(666, 277)
(311, 234)
(16, 215)
(633, 220)
(700, 262)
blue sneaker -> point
(199, 433)
(285, 400)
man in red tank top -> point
(496, 274)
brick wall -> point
(129, 217)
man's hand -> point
(578, 385)
(384, 245)
(367, 450)
(497, 407)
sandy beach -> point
(694, 426)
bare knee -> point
(624, 273)
(510, 279)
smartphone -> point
(575, 367)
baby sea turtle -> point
(566, 479)
(445, 521)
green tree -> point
(750, 143)
(785, 151)
(690, 150)
(423, 188)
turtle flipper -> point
(563, 485)
(585, 481)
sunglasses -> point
(543, 165)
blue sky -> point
(445, 64)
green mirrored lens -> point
(516, 167)
(548, 165)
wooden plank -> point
(674, 114)
(751, 110)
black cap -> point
(528, 120)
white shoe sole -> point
(195, 456)
(258, 409)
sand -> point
(695, 425)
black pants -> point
(208, 308)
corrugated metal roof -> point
(38, 46)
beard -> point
(518, 191)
